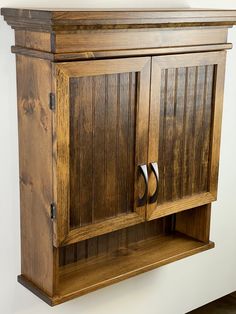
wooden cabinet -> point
(119, 137)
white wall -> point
(172, 289)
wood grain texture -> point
(72, 56)
(216, 124)
(62, 153)
(83, 40)
(127, 263)
(35, 148)
(120, 109)
(111, 242)
(195, 222)
(139, 258)
(181, 204)
(183, 100)
(102, 138)
(102, 131)
(54, 19)
(33, 40)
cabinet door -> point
(184, 138)
(101, 146)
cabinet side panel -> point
(35, 149)
(195, 222)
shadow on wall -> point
(99, 4)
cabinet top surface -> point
(49, 19)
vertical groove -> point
(184, 129)
(105, 144)
(117, 141)
(203, 122)
(193, 166)
(86, 249)
(128, 143)
(75, 252)
(72, 212)
(174, 136)
(133, 130)
(161, 140)
(93, 135)
(112, 242)
(164, 131)
(212, 97)
(135, 148)
(79, 139)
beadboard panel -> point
(102, 143)
(185, 131)
(112, 242)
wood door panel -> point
(185, 107)
(186, 115)
(102, 138)
(102, 143)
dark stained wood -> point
(178, 140)
(72, 56)
(161, 102)
(216, 124)
(126, 263)
(103, 139)
(139, 257)
(184, 102)
(199, 115)
(189, 137)
(34, 289)
(38, 41)
(112, 118)
(83, 40)
(111, 242)
(195, 222)
(206, 123)
(55, 19)
(35, 148)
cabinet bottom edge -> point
(57, 299)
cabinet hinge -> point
(52, 101)
(53, 210)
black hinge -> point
(52, 101)
(53, 210)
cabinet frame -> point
(63, 235)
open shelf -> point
(97, 262)
(80, 278)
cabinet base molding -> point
(81, 278)
(33, 288)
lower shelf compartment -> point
(80, 278)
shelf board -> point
(82, 277)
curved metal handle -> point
(143, 171)
(154, 169)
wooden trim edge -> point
(73, 56)
(35, 290)
(96, 229)
(182, 205)
(60, 299)
(116, 279)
